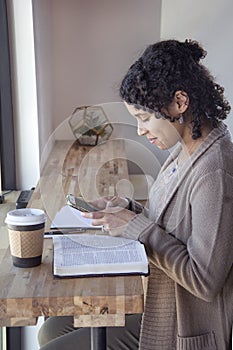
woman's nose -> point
(141, 131)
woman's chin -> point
(161, 145)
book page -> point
(92, 254)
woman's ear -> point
(182, 101)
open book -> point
(93, 255)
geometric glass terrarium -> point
(90, 125)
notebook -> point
(70, 218)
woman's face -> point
(159, 132)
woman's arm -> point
(115, 214)
(203, 264)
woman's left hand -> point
(113, 219)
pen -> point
(59, 232)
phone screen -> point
(79, 203)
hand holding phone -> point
(79, 203)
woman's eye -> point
(145, 119)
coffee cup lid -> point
(25, 216)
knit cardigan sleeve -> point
(201, 265)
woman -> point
(188, 228)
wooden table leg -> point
(98, 338)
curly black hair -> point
(168, 66)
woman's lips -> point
(153, 140)
(157, 142)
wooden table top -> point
(26, 294)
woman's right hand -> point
(106, 202)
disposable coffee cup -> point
(26, 236)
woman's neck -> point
(189, 145)
(186, 138)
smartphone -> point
(79, 203)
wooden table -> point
(26, 294)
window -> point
(7, 158)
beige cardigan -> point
(189, 302)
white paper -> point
(69, 217)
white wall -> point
(44, 68)
(24, 92)
(93, 44)
(209, 22)
(83, 49)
